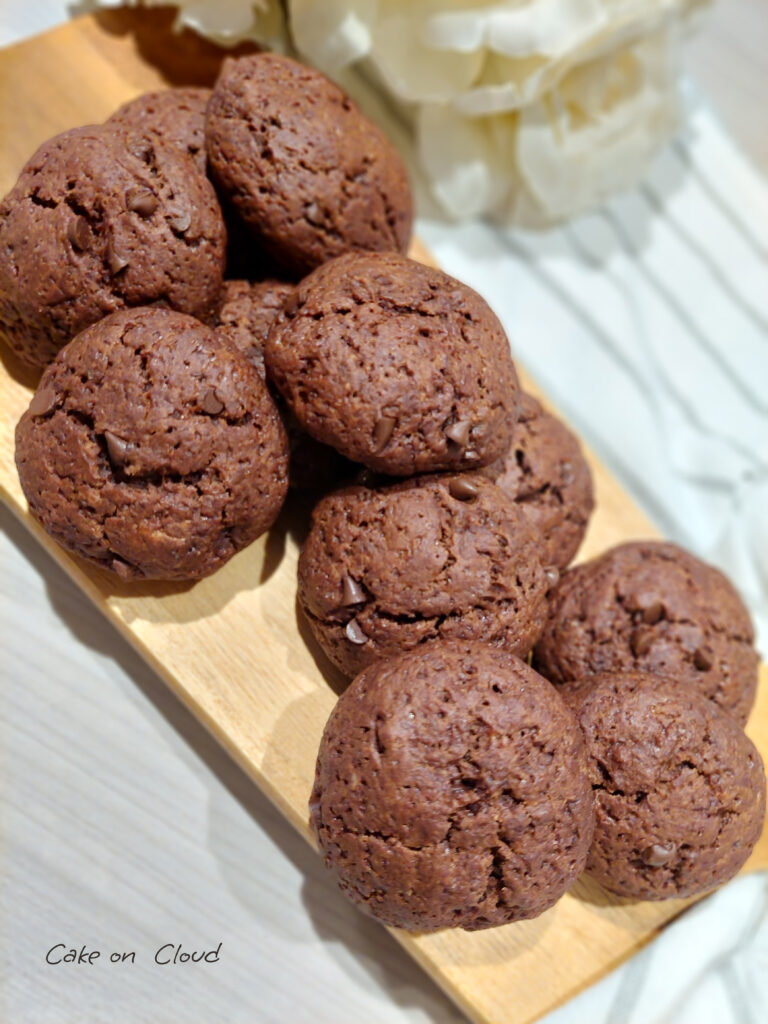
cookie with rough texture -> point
(451, 790)
(679, 789)
(174, 116)
(98, 220)
(651, 606)
(152, 447)
(246, 313)
(545, 471)
(396, 365)
(307, 172)
(386, 569)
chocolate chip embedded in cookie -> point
(101, 219)
(174, 116)
(451, 790)
(152, 448)
(651, 606)
(395, 365)
(310, 175)
(679, 789)
(386, 569)
(545, 471)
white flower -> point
(529, 110)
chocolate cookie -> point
(385, 569)
(246, 313)
(679, 789)
(395, 365)
(309, 174)
(451, 790)
(651, 606)
(101, 219)
(545, 471)
(152, 447)
(174, 116)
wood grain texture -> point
(231, 646)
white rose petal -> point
(333, 34)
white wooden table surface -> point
(125, 828)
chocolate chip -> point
(458, 432)
(658, 854)
(470, 455)
(641, 642)
(43, 400)
(179, 220)
(78, 233)
(141, 201)
(702, 659)
(553, 575)
(211, 403)
(353, 593)
(354, 632)
(313, 214)
(119, 449)
(115, 259)
(383, 431)
(653, 613)
(463, 489)
(291, 304)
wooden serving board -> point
(231, 647)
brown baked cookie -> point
(309, 174)
(395, 365)
(546, 473)
(451, 790)
(152, 447)
(174, 116)
(246, 313)
(101, 219)
(651, 606)
(679, 789)
(385, 569)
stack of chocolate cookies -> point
(215, 283)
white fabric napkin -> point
(646, 323)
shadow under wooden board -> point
(231, 647)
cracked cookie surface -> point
(546, 473)
(310, 175)
(386, 569)
(451, 790)
(152, 447)
(650, 606)
(679, 788)
(101, 219)
(247, 311)
(396, 365)
(174, 116)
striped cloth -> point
(646, 322)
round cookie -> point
(545, 471)
(679, 788)
(384, 570)
(152, 447)
(246, 313)
(396, 365)
(101, 219)
(174, 116)
(310, 175)
(651, 606)
(451, 790)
